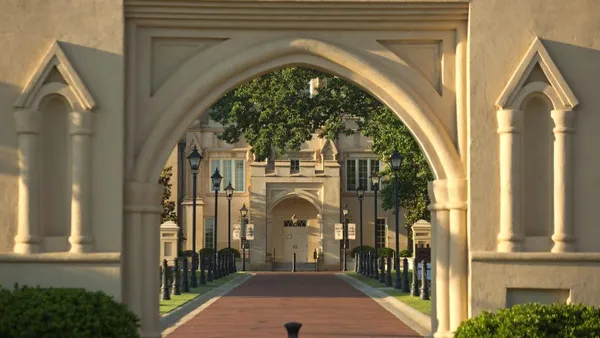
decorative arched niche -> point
(53, 118)
(536, 107)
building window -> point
(381, 233)
(232, 170)
(359, 170)
(299, 223)
(209, 232)
(294, 166)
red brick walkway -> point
(327, 307)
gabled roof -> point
(537, 54)
(55, 58)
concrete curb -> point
(416, 320)
(174, 319)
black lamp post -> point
(345, 235)
(216, 182)
(243, 214)
(396, 161)
(375, 187)
(229, 193)
(360, 193)
(194, 158)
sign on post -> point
(236, 229)
(249, 232)
(339, 231)
(351, 231)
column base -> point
(510, 244)
(26, 247)
(563, 245)
(81, 244)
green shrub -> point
(534, 321)
(236, 253)
(405, 253)
(356, 250)
(28, 312)
(385, 252)
(206, 252)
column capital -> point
(81, 123)
(509, 121)
(27, 121)
(438, 194)
(143, 197)
(457, 194)
(563, 120)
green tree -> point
(275, 112)
(169, 213)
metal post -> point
(388, 277)
(229, 269)
(176, 288)
(244, 254)
(185, 284)
(215, 272)
(294, 263)
(405, 286)
(202, 269)
(180, 192)
(194, 281)
(415, 279)
(165, 281)
(398, 283)
(361, 227)
(345, 237)
(316, 255)
(424, 287)
(293, 329)
(375, 188)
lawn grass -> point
(176, 301)
(423, 306)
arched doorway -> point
(205, 76)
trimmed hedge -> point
(534, 321)
(28, 312)
(380, 251)
(236, 253)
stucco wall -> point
(500, 33)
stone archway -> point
(186, 95)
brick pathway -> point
(327, 306)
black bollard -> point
(405, 286)
(374, 274)
(203, 278)
(185, 284)
(368, 263)
(176, 287)
(208, 266)
(424, 287)
(216, 272)
(294, 263)
(233, 267)
(381, 271)
(165, 281)
(356, 262)
(362, 264)
(414, 287)
(388, 277)
(293, 329)
(193, 280)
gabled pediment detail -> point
(329, 151)
(55, 67)
(536, 58)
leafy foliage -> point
(380, 251)
(275, 112)
(236, 253)
(27, 312)
(534, 321)
(169, 213)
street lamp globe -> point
(216, 180)
(375, 180)
(396, 160)
(229, 191)
(360, 192)
(345, 210)
(243, 211)
(194, 158)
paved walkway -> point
(327, 306)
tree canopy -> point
(276, 112)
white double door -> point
(295, 240)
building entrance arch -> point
(157, 119)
